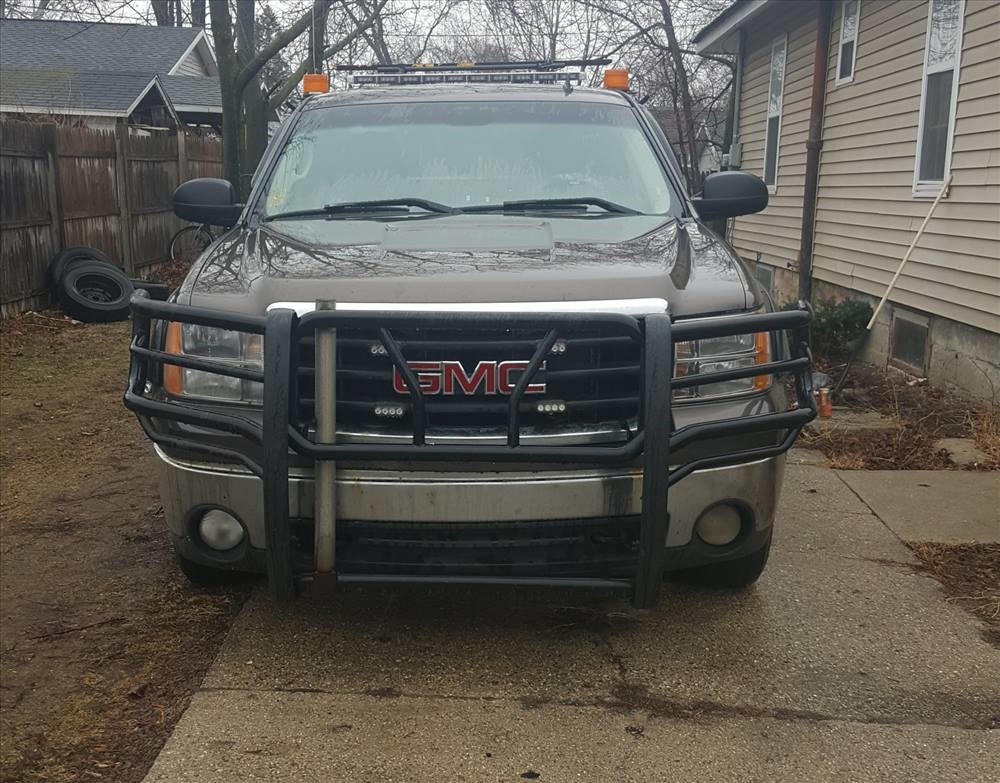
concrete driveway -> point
(841, 665)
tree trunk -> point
(684, 90)
(163, 11)
(250, 108)
(198, 13)
(222, 33)
(317, 35)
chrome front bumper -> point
(393, 496)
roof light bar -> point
(531, 65)
(456, 77)
(532, 72)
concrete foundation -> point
(960, 357)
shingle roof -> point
(193, 90)
(88, 46)
(59, 90)
(97, 66)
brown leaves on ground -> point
(923, 415)
(103, 641)
(970, 574)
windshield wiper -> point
(555, 204)
(352, 208)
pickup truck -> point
(470, 327)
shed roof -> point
(188, 92)
(90, 46)
(55, 91)
(98, 68)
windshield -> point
(463, 154)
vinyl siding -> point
(775, 232)
(192, 65)
(866, 212)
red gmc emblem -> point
(450, 377)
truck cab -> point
(471, 330)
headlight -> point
(699, 357)
(219, 345)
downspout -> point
(814, 143)
(734, 119)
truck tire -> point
(66, 258)
(729, 574)
(95, 292)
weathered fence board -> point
(61, 186)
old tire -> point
(729, 574)
(70, 256)
(95, 292)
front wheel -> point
(729, 574)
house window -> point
(938, 96)
(773, 131)
(849, 12)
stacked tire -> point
(92, 288)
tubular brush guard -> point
(653, 440)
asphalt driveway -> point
(841, 665)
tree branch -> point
(275, 45)
(282, 93)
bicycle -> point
(188, 243)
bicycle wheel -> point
(188, 243)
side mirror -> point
(731, 193)
(207, 200)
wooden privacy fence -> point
(62, 186)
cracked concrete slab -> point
(954, 507)
(841, 664)
(328, 738)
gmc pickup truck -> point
(469, 327)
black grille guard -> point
(653, 441)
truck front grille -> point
(590, 380)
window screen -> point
(937, 114)
(848, 39)
(776, 90)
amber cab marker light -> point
(762, 355)
(616, 79)
(173, 378)
(315, 83)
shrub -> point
(837, 325)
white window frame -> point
(840, 45)
(781, 40)
(930, 188)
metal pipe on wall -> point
(814, 144)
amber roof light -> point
(616, 79)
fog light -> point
(720, 525)
(220, 530)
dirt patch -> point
(970, 574)
(103, 642)
(923, 415)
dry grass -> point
(970, 574)
(922, 414)
(985, 428)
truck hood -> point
(473, 258)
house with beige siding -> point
(859, 115)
